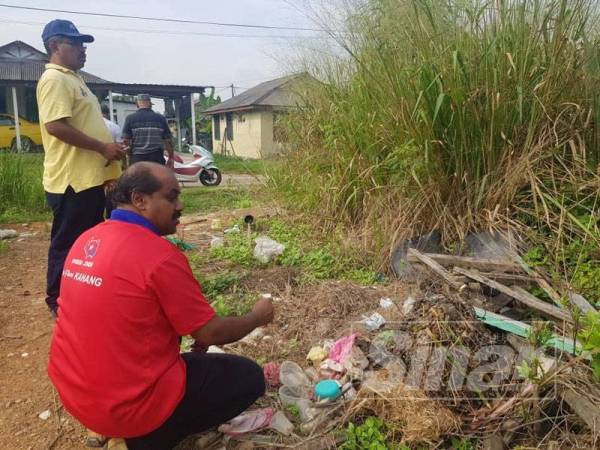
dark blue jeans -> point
(219, 387)
(73, 213)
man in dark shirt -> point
(147, 134)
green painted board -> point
(522, 329)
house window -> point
(229, 126)
(217, 126)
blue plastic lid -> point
(327, 389)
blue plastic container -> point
(327, 389)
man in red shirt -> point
(126, 297)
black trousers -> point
(157, 157)
(73, 213)
(219, 387)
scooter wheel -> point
(210, 177)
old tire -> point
(210, 177)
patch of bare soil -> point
(25, 332)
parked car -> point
(31, 136)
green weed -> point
(236, 164)
(590, 337)
(4, 245)
(238, 249)
(294, 412)
(201, 199)
(21, 193)
(220, 283)
(233, 304)
(461, 444)
(370, 435)
(540, 333)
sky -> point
(174, 53)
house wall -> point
(247, 135)
(121, 110)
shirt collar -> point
(58, 67)
(123, 215)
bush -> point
(455, 116)
(21, 192)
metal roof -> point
(278, 93)
(22, 64)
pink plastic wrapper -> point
(248, 421)
(271, 371)
(342, 348)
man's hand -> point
(225, 330)
(114, 151)
(263, 310)
(109, 186)
(170, 162)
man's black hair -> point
(104, 108)
(138, 178)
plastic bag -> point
(266, 249)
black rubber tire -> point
(210, 177)
(27, 145)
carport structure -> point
(178, 98)
(22, 65)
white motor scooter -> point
(202, 168)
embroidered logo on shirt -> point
(91, 247)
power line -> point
(160, 19)
(186, 33)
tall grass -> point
(21, 192)
(452, 115)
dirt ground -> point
(26, 328)
(25, 332)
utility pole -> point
(232, 90)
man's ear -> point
(53, 44)
(138, 200)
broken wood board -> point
(584, 408)
(542, 283)
(580, 301)
(522, 329)
(434, 266)
(488, 265)
(519, 294)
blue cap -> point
(64, 28)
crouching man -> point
(126, 296)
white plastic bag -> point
(266, 249)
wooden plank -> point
(541, 281)
(521, 295)
(488, 265)
(522, 329)
(550, 310)
(584, 408)
(580, 301)
(435, 266)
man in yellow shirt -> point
(80, 154)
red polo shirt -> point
(126, 296)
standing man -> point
(112, 172)
(77, 144)
(115, 129)
(147, 134)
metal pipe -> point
(16, 113)
(110, 106)
(193, 119)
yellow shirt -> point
(62, 93)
